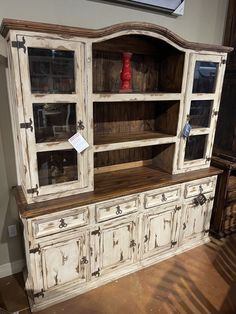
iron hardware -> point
(84, 260)
(215, 113)
(145, 238)
(224, 61)
(119, 211)
(96, 273)
(27, 125)
(211, 198)
(200, 199)
(80, 125)
(34, 190)
(63, 224)
(163, 198)
(184, 226)
(96, 232)
(132, 243)
(39, 294)
(35, 250)
(208, 159)
(177, 208)
(200, 188)
(19, 44)
(173, 243)
(206, 230)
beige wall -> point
(203, 21)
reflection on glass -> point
(51, 71)
(205, 77)
(195, 147)
(54, 121)
(200, 111)
(57, 167)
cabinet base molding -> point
(73, 290)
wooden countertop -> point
(111, 185)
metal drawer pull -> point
(63, 224)
(132, 243)
(164, 199)
(200, 188)
(84, 260)
(119, 211)
(184, 226)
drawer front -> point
(162, 196)
(116, 208)
(200, 186)
(48, 225)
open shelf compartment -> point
(127, 122)
(156, 65)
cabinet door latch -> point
(27, 125)
(96, 273)
(19, 44)
(33, 190)
(96, 232)
(39, 294)
(173, 243)
(35, 250)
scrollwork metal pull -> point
(163, 198)
(118, 211)
(63, 224)
(84, 260)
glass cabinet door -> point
(204, 85)
(54, 100)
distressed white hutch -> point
(141, 191)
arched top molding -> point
(12, 24)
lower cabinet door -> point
(161, 227)
(114, 245)
(196, 220)
(64, 262)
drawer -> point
(162, 196)
(116, 208)
(49, 225)
(199, 186)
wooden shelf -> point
(124, 140)
(113, 97)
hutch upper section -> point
(66, 80)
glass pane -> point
(57, 167)
(200, 111)
(205, 75)
(51, 71)
(54, 121)
(195, 147)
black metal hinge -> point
(27, 125)
(96, 232)
(208, 159)
(35, 250)
(206, 230)
(132, 243)
(34, 190)
(96, 273)
(19, 44)
(223, 61)
(39, 294)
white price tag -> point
(78, 142)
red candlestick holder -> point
(125, 74)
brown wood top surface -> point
(111, 185)
(68, 31)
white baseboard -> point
(11, 268)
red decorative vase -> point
(125, 74)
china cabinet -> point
(146, 102)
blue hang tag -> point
(186, 130)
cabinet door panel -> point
(160, 230)
(115, 246)
(194, 221)
(55, 108)
(64, 262)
